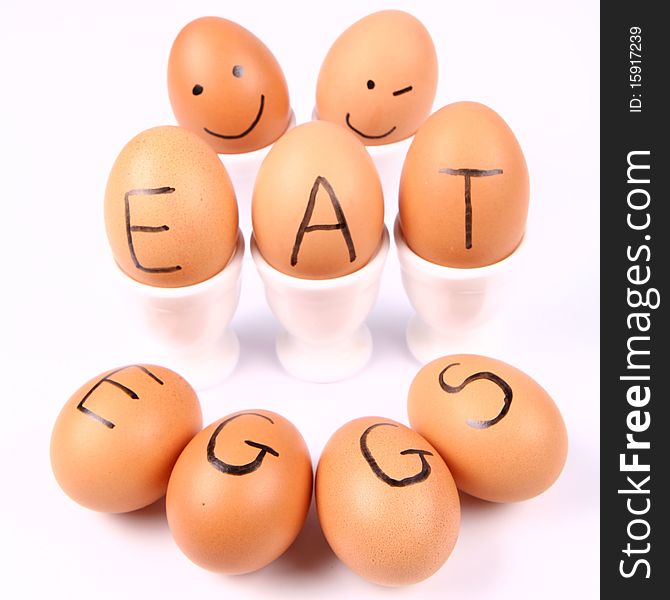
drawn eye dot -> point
(371, 84)
(238, 70)
(197, 89)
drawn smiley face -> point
(226, 86)
(379, 78)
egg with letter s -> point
(499, 431)
(240, 491)
(170, 209)
(318, 206)
(386, 501)
(464, 188)
(117, 438)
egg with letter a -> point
(499, 431)
(240, 491)
(387, 502)
(464, 188)
(170, 209)
(318, 206)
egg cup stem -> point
(324, 337)
(189, 325)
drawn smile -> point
(247, 130)
(365, 135)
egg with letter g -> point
(240, 491)
(318, 206)
(499, 431)
(387, 503)
(379, 78)
(464, 188)
(170, 209)
(117, 438)
(226, 86)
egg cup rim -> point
(230, 271)
(374, 265)
(409, 258)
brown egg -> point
(501, 434)
(227, 87)
(379, 78)
(387, 503)
(170, 209)
(464, 188)
(318, 206)
(117, 438)
(240, 492)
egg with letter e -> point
(387, 503)
(379, 78)
(226, 86)
(464, 188)
(170, 209)
(117, 438)
(318, 206)
(499, 431)
(240, 491)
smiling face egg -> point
(379, 78)
(226, 86)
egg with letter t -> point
(464, 188)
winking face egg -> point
(379, 78)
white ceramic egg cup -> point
(450, 303)
(191, 322)
(324, 336)
(243, 168)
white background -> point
(76, 83)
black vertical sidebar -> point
(635, 261)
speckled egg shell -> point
(387, 503)
(379, 78)
(240, 492)
(501, 434)
(226, 86)
(318, 206)
(464, 188)
(117, 438)
(170, 209)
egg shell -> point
(464, 145)
(499, 431)
(170, 209)
(390, 532)
(322, 161)
(227, 511)
(379, 78)
(117, 438)
(242, 102)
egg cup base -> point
(324, 363)
(205, 366)
(426, 343)
(188, 327)
(323, 337)
(451, 304)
